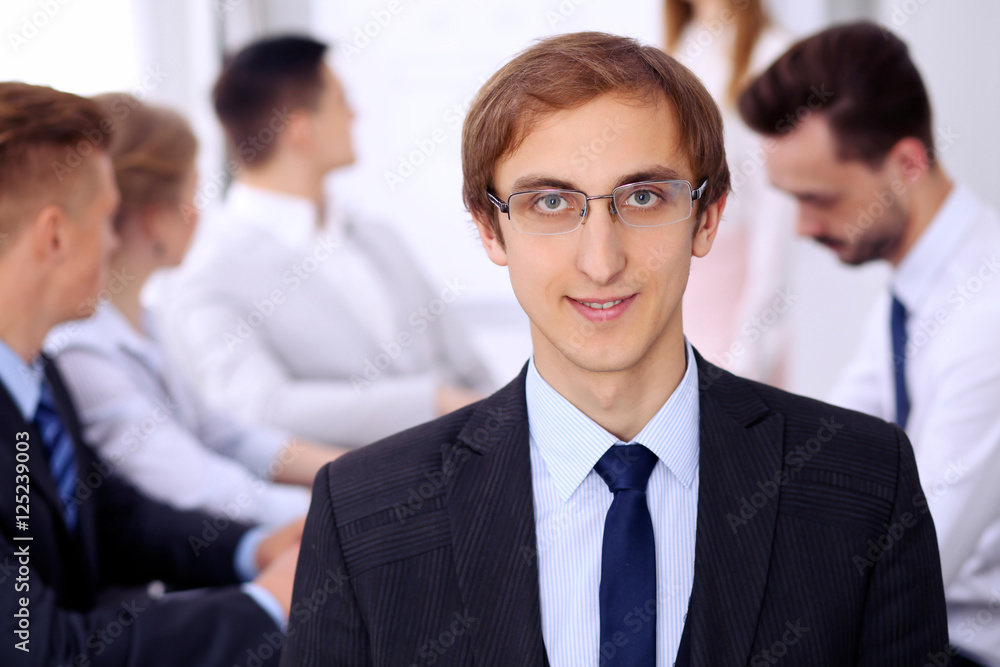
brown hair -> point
(153, 154)
(45, 134)
(568, 71)
(269, 77)
(751, 19)
(859, 77)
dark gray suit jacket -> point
(814, 545)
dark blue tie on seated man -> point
(69, 527)
(621, 502)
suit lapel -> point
(493, 530)
(741, 453)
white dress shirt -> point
(153, 428)
(330, 332)
(950, 286)
(571, 503)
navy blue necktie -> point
(628, 561)
(59, 447)
(899, 360)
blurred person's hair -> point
(269, 77)
(875, 97)
(567, 72)
(750, 18)
(46, 138)
(153, 154)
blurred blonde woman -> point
(737, 307)
(137, 411)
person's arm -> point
(331, 634)
(904, 619)
(464, 375)
(247, 377)
(957, 437)
(270, 453)
(143, 439)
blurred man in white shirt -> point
(290, 313)
(863, 169)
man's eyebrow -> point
(541, 182)
(652, 174)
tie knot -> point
(626, 467)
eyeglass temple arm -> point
(696, 194)
(504, 208)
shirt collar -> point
(289, 218)
(23, 382)
(571, 443)
(923, 265)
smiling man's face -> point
(560, 280)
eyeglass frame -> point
(504, 206)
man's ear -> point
(492, 242)
(910, 156)
(50, 234)
(710, 216)
(298, 131)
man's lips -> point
(602, 309)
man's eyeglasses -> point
(646, 204)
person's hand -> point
(278, 542)
(451, 398)
(279, 576)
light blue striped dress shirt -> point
(572, 501)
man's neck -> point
(126, 295)
(25, 325)
(929, 195)
(287, 176)
(621, 402)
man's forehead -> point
(624, 131)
